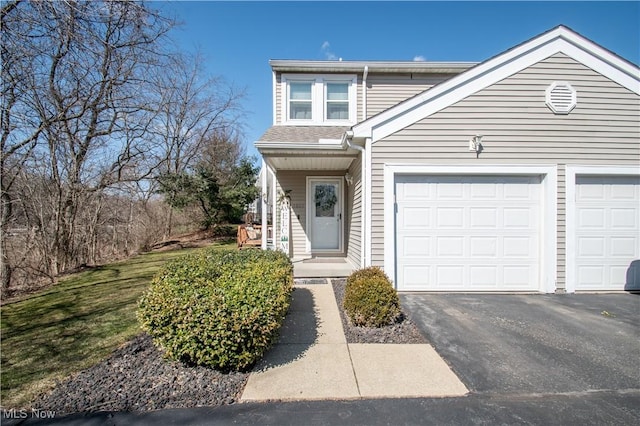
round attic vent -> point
(561, 97)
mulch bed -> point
(136, 377)
(404, 331)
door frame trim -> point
(309, 210)
(548, 240)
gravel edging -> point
(136, 377)
(404, 331)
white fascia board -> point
(330, 142)
(560, 40)
(289, 66)
(334, 146)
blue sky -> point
(238, 38)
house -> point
(519, 174)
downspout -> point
(264, 196)
(364, 92)
(346, 139)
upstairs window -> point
(300, 101)
(337, 102)
(318, 100)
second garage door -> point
(468, 233)
(607, 236)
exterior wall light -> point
(475, 144)
(349, 179)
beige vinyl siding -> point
(386, 90)
(518, 128)
(353, 214)
(278, 99)
(296, 181)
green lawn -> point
(72, 325)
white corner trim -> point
(548, 233)
(264, 179)
(367, 212)
(560, 40)
(572, 171)
(274, 88)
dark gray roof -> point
(302, 133)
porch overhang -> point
(290, 148)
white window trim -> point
(572, 171)
(548, 231)
(318, 98)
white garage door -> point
(607, 231)
(468, 233)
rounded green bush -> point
(370, 299)
(221, 309)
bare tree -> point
(74, 110)
(94, 108)
(193, 109)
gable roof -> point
(558, 40)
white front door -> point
(325, 214)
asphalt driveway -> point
(534, 344)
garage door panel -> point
(449, 191)
(449, 246)
(483, 247)
(489, 223)
(519, 247)
(450, 276)
(483, 217)
(592, 218)
(607, 230)
(517, 277)
(624, 247)
(624, 190)
(415, 247)
(591, 247)
(414, 277)
(415, 217)
(624, 218)
(483, 191)
(483, 277)
(449, 217)
(518, 191)
(515, 217)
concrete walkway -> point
(313, 361)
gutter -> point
(365, 73)
(288, 65)
(347, 143)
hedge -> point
(221, 309)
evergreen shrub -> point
(218, 308)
